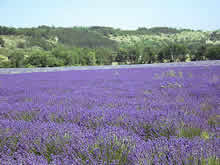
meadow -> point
(127, 116)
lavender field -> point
(126, 116)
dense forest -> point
(46, 46)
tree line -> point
(91, 46)
(135, 54)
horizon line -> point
(106, 26)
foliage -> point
(2, 42)
(21, 45)
(17, 59)
(104, 56)
(38, 58)
(173, 52)
(105, 45)
(213, 52)
(81, 37)
(4, 62)
(39, 42)
(7, 30)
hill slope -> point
(49, 46)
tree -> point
(39, 42)
(91, 58)
(54, 62)
(148, 56)
(2, 42)
(122, 55)
(213, 52)
(20, 45)
(180, 52)
(17, 59)
(4, 62)
(43, 60)
(173, 52)
(64, 54)
(200, 52)
(104, 56)
(7, 30)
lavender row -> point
(115, 116)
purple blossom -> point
(94, 117)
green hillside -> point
(58, 46)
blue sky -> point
(124, 14)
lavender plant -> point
(145, 116)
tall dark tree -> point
(2, 42)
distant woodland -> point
(46, 46)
